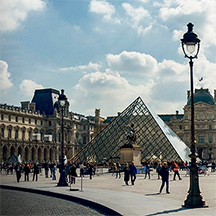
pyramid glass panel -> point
(155, 138)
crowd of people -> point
(162, 169)
(129, 170)
(26, 168)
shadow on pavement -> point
(153, 194)
(168, 211)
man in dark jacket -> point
(18, 169)
(26, 171)
(164, 172)
(133, 172)
(35, 171)
(126, 173)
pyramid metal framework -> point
(156, 139)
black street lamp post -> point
(62, 103)
(190, 46)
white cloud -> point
(4, 76)
(136, 14)
(169, 70)
(104, 8)
(91, 66)
(14, 12)
(201, 12)
(204, 68)
(28, 87)
(143, 31)
(132, 62)
(162, 85)
(108, 91)
(176, 8)
(143, 1)
(136, 17)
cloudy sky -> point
(105, 53)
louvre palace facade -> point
(33, 130)
(205, 123)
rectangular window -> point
(9, 118)
(2, 117)
(17, 119)
(35, 121)
(23, 120)
(210, 116)
(50, 123)
(201, 139)
(41, 122)
(84, 127)
(201, 116)
(210, 139)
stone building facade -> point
(205, 123)
(33, 130)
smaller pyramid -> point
(157, 140)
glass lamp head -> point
(190, 43)
(62, 98)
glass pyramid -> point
(155, 138)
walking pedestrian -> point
(158, 169)
(18, 169)
(54, 172)
(176, 171)
(126, 173)
(147, 171)
(46, 167)
(26, 170)
(73, 174)
(81, 169)
(133, 172)
(51, 169)
(90, 170)
(164, 172)
(35, 171)
(118, 171)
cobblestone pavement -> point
(23, 203)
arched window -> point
(30, 135)
(23, 134)
(5, 153)
(2, 132)
(26, 154)
(9, 133)
(16, 134)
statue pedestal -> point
(130, 153)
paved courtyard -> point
(139, 199)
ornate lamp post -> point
(62, 103)
(190, 46)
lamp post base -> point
(194, 199)
(194, 202)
